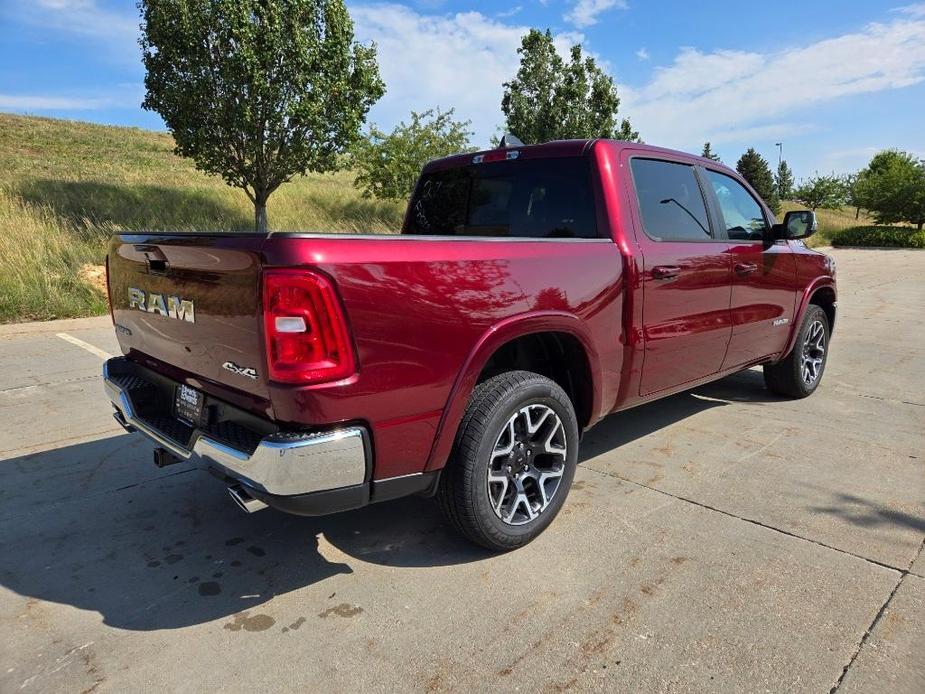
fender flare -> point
(491, 340)
(814, 286)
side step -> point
(248, 503)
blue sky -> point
(834, 81)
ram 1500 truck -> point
(533, 291)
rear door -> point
(763, 277)
(192, 301)
(686, 278)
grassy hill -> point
(65, 186)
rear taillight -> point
(306, 333)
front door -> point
(763, 277)
(686, 278)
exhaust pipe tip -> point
(244, 500)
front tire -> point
(799, 373)
(513, 461)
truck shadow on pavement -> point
(96, 526)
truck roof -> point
(560, 148)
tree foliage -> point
(783, 179)
(754, 169)
(892, 187)
(257, 91)
(389, 163)
(553, 99)
(821, 191)
(708, 153)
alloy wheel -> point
(813, 353)
(527, 464)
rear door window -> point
(530, 198)
(670, 201)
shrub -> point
(882, 237)
(388, 164)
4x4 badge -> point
(240, 370)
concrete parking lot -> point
(720, 540)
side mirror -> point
(798, 224)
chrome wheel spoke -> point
(549, 446)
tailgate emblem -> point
(240, 370)
(170, 306)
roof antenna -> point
(509, 140)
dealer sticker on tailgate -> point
(189, 405)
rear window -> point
(530, 198)
(670, 201)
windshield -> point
(531, 198)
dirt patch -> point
(95, 276)
(259, 622)
(342, 610)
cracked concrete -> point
(720, 540)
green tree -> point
(554, 99)
(853, 192)
(708, 153)
(784, 180)
(754, 169)
(257, 91)
(892, 187)
(821, 191)
(389, 163)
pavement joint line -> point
(915, 559)
(883, 399)
(52, 383)
(867, 633)
(752, 521)
(92, 349)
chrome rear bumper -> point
(283, 464)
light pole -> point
(780, 158)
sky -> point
(832, 81)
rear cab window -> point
(548, 198)
(671, 202)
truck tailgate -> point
(192, 301)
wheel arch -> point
(820, 292)
(502, 346)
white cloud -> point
(511, 12)
(642, 54)
(23, 102)
(916, 10)
(117, 31)
(724, 95)
(451, 61)
(585, 12)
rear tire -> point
(799, 373)
(513, 461)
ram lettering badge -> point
(168, 306)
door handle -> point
(745, 268)
(664, 272)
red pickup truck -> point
(533, 290)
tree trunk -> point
(920, 225)
(857, 214)
(260, 216)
